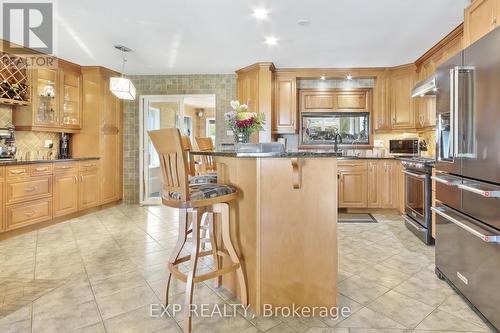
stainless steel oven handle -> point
(413, 224)
(446, 181)
(484, 193)
(416, 175)
(463, 224)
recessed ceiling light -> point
(260, 13)
(303, 22)
(349, 77)
(271, 41)
(322, 77)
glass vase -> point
(242, 137)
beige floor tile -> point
(64, 318)
(327, 330)
(440, 320)
(361, 290)
(218, 324)
(377, 330)
(125, 300)
(118, 282)
(384, 276)
(140, 321)
(455, 305)
(430, 292)
(98, 271)
(95, 328)
(366, 318)
(16, 322)
(346, 307)
(403, 309)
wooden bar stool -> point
(207, 162)
(194, 200)
(193, 178)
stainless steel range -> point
(418, 197)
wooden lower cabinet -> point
(88, 191)
(27, 213)
(369, 184)
(65, 193)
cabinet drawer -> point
(17, 171)
(88, 165)
(21, 215)
(40, 169)
(28, 189)
(65, 167)
(352, 165)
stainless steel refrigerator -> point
(468, 175)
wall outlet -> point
(378, 143)
(47, 143)
(229, 133)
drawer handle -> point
(81, 178)
(64, 167)
(88, 165)
(29, 214)
(41, 169)
(76, 179)
(30, 189)
(17, 172)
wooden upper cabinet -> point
(71, 95)
(402, 104)
(285, 106)
(56, 101)
(335, 100)
(480, 18)
(382, 113)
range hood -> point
(426, 87)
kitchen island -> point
(284, 226)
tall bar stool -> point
(207, 162)
(194, 200)
(193, 178)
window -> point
(210, 128)
(353, 128)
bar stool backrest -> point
(208, 163)
(187, 147)
(174, 167)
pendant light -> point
(122, 87)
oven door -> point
(415, 195)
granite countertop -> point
(291, 154)
(20, 162)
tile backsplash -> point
(27, 141)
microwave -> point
(404, 147)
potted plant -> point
(242, 122)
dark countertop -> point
(290, 154)
(21, 162)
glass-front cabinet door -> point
(71, 106)
(45, 97)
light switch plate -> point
(378, 143)
(47, 143)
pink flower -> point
(244, 123)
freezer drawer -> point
(482, 201)
(468, 254)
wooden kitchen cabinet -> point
(382, 184)
(402, 104)
(373, 186)
(88, 191)
(102, 132)
(2, 201)
(382, 115)
(480, 17)
(284, 117)
(352, 184)
(56, 100)
(65, 189)
(335, 100)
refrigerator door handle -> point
(455, 96)
(467, 226)
(495, 193)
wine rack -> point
(14, 80)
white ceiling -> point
(220, 36)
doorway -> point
(189, 113)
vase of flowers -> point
(242, 122)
